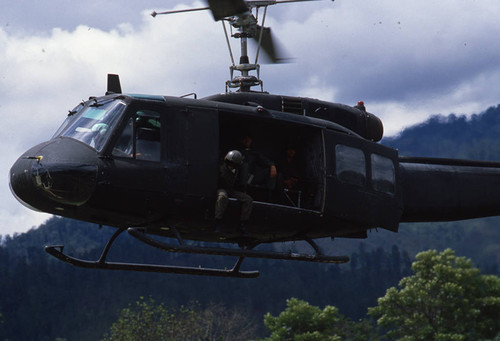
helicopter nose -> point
(54, 174)
(20, 182)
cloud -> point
(406, 60)
(44, 75)
(407, 55)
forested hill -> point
(452, 136)
(476, 137)
(44, 299)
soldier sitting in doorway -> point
(228, 173)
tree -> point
(148, 320)
(301, 321)
(216, 322)
(446, 299)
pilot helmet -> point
(234, 158)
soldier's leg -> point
(246, 204)
(221, 203)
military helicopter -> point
(149, 164)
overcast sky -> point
(406, 59)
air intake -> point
(292, 105)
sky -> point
(406, 60)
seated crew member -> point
(289, 172)
(256, 168)
(227, 177)
(289, 168)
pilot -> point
(228, 173)
(256, 168)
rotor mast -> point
(239, 15)
(245, 80)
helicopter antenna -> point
(239, 14)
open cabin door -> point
(295, 150)
(362, 181)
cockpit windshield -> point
(92, 124)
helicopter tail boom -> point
(447, 190)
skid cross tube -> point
(221, 251)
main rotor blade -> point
(262, 3)
(226, 8)
(269, 46)
(154, 14)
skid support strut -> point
(222, 251)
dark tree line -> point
(43, 298)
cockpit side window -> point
(147, 135)
(124, 146)
(140, 138)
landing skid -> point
(101, 263)
(57, 251)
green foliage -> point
(150, 321)
(445, 299)
(301, 321)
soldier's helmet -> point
(234, 158)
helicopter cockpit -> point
(93, 123)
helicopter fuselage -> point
(153, 161)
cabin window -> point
(383, 174)
(350, 165)
(140, 138)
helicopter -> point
(149, 165)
